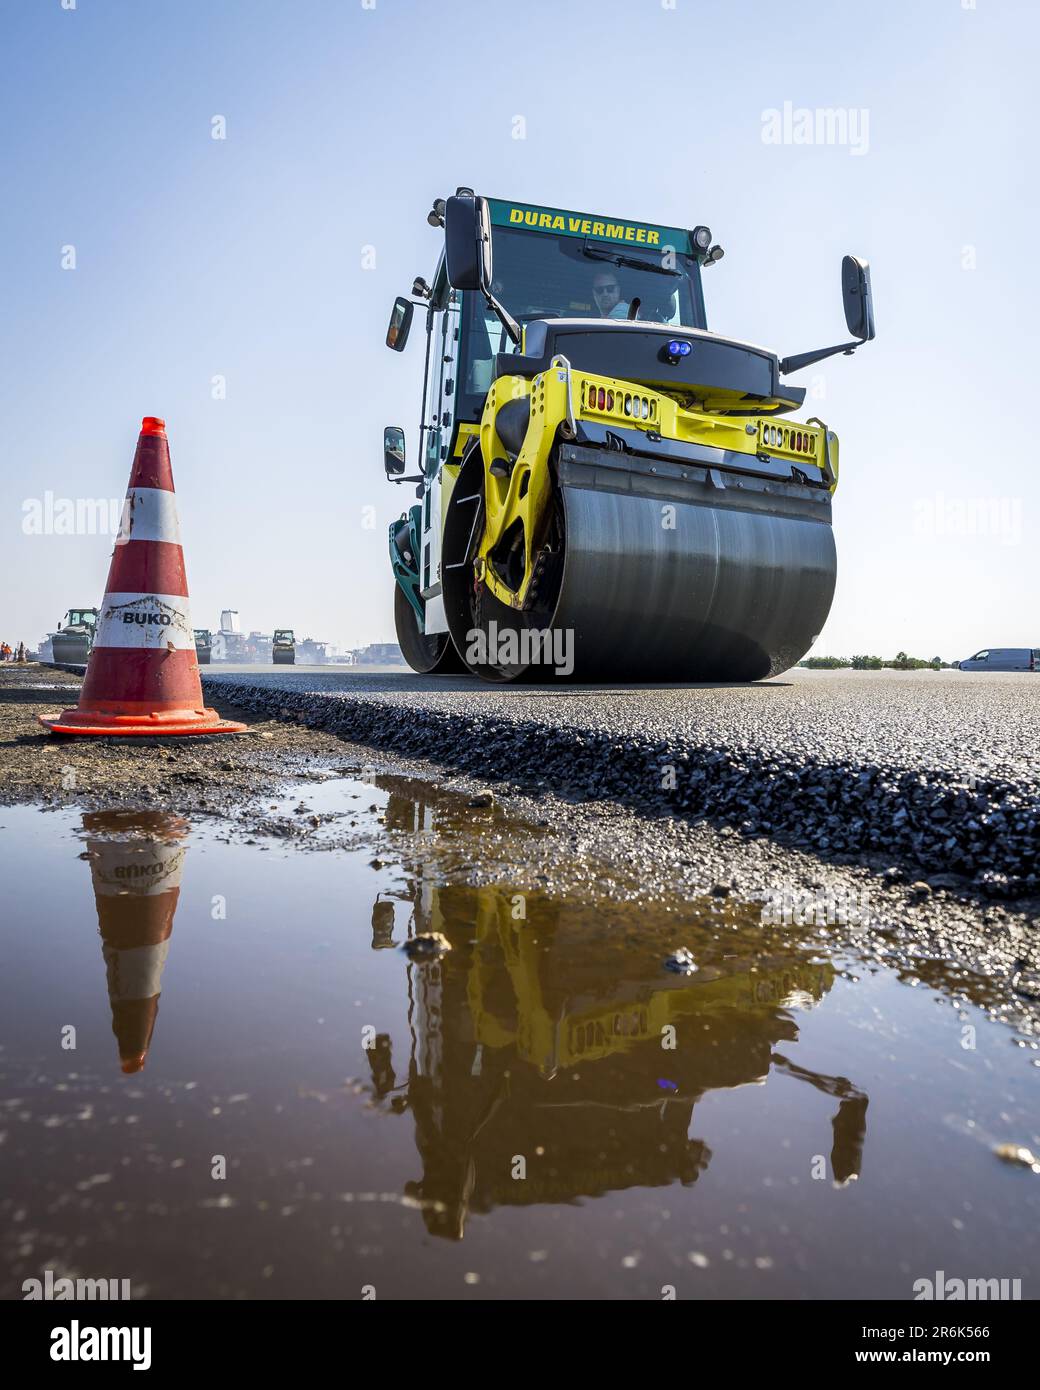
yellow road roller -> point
(607, 491)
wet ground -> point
(223, 1076)
(217, 775)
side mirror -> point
(393, 450)
(400, 323)
(467, 242)
(855, 291)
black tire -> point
(432, 655)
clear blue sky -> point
(243, 258)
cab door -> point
(441, 392)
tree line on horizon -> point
(900, 662)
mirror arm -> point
(805, 359)
(504, 317)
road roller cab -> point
(606, 489)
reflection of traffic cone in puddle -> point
(136, 885)
(143, 674)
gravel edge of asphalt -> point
(986, 834)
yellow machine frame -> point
(561, 396)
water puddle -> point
(224, 1077)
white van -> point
(1003, 659)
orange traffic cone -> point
(136, 878)
(143, 674)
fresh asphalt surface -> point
(966, 723)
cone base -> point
(163, 723)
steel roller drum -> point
(662, 574)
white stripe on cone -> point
(145, 620)
(135, 972)
(149, 514)
(132, 870)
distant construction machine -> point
(312, 652)
(283, 647)
(71, 644)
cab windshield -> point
(537, 275)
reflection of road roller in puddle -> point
(135, 863)
(541, 1036)
(606, 488)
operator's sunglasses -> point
(605, 289)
